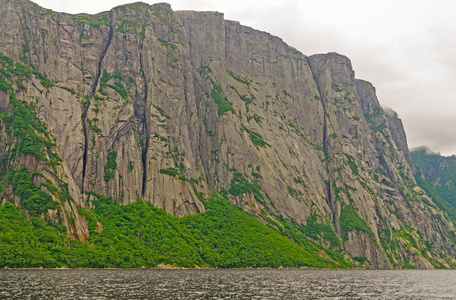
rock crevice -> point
(169, 106)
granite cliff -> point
(143, 102)
(439, 171)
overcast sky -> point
(406, 48)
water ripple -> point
(227, 284)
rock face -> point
(438, 170)
(168, 106)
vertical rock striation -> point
(168, 106)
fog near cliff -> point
(405, 48)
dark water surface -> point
(227, 284)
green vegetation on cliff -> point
(350, 221)
(34, 199)
(220, 99)
(256, 138)
(110, 166)
(240, 185)
(139, 235)
(440, 171)
(142, 109)
(29, 133)
(26, 136)
(430, 189)
(117, 86)
(318, 231)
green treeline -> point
(139, 234)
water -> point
(227, 284)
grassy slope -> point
(139, 235)
(135, 235)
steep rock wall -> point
(167, 106)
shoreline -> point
(178, 268)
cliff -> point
(142, 102)
(438, 170)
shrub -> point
(110, 167)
